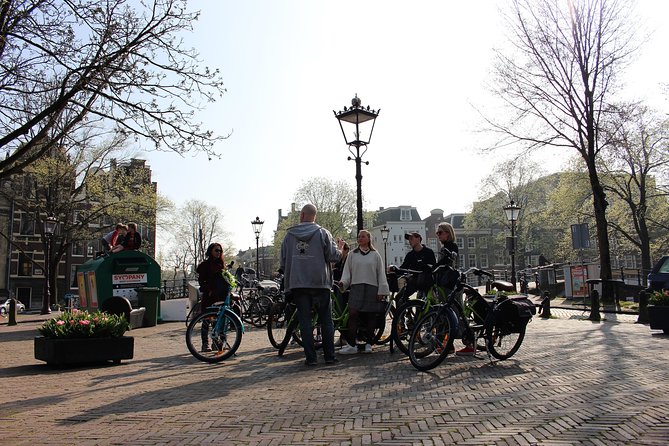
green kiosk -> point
(121, 283)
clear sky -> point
(288, 64)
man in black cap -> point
(420, 258)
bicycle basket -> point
(392, 282)
(424, 281)
(515, 312)
(447, 277)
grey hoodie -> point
(306, 253)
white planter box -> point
(174, 309)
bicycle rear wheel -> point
(277, 323)
(403, 323)
(192, 313)
(432, 339)
(502, 342)
(208, 345)
(259, 311)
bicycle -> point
(283, 323)
(411, 310)
(252, 308)
(220, 331)
(499, 322)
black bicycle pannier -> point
(515, 312)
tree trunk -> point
(600, 204)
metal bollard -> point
(546, 306)
(12, 312)
(594, 307)
(643, 308)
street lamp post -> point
(257, 228)
(50, 224)
(512, 212)
(384, 235)
(363, 119)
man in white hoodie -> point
(307, 253)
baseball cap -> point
(412, 234)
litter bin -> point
(149, 298)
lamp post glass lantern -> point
(361, 121)
(512, 211)
(257, 228)
(385, 231)
(50, 224)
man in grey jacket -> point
(307, 252)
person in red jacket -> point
(213, 286)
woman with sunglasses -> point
(446, 236)
(213, 286)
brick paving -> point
(572, 382)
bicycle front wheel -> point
(503, 342)
(210, 345)
(404, 321)
(432, 339)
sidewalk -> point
(572, 382)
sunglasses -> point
(440, 232)
(218, 250)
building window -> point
(483, 242)
(73, 277)
(25, 265)
(405, 214)
(472, 260)
(433, 244)
(462, 260)
(484, 260)
(460, 242)
(630, 261)
(78, 249)
(471, 242)
(27, 225)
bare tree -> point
(636, 164)
(122, 65)
(194, 227)
(559, 79)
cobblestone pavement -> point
(572, 382)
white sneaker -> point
(348, 350)
(368, 348)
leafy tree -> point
(557, 79)
(64, 64)
(87, 189)
(336, 204)
(637, 162)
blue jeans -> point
(305, 299)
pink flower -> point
(71, 321)
(60, 322)
(85, 322)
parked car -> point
(20, 308)
(658, 279)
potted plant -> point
(658, 310)
(78, 337)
